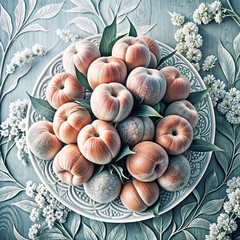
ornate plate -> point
(76, 199)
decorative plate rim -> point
(139, 218)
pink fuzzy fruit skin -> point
(106, 70)
(71, 167)
(177, 174)
(149, 84)
(154, 51)
(99, 142)
(42, 141)
(178, 86)
(63, 88)
(133, 51)
(148, 163)
(133, 130)
(80, 54)
(183, 109)
(174, 134)
(69, 119)
(137, 196)
(111, 102)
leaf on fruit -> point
(163, 107)
(132, 30)
(200, 145)
(83, 80)
(137, 101)
(145, 111)
(162, 60)
(119, 171)
(154, 209)
(43, 107)
(157, 107)
(198, 96)
(111, 44)
(109, 34)
(84, 103)
(125, 151)
(98, 169)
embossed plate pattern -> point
(76, 199)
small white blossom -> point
(209, 63)
(179, 35)
(10, 68)
(35, 214)
(20, 143)
(176, 18)
(206, 18)
(181, 47)
(209, 79)
(30, 192)
(224, 106)
(13, 122)
(197, 17)
(214, 229)
(33, 231)
(14, 131)
(196, 66)
(27, 55)
(202, 8)
(218, 87)
(4, 133)
(194, 54)
(233, 95)
(23, 125)
(190, 28)
(67, 36)
(215, 7)
(233, 116)
(233, 184)
(50, 219)
(40, 200)
(4, 125)
(59, 214)
(47, 210)
(39, 50)
(219, 17)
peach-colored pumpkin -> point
(137, 196)
(106, 70)
(133, 51)
(42, 141)
(174, 134)
(177, 174)
(99, 142)
(111, 102)
(69, 119)
(133, 130)
(149, 84)
(148, 163)
(63, 88)
(184, 109)
(80, 54)
(178, 86)
(71, 167)
(154, 51)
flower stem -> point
(61, 226)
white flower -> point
(23, 125)
(202, 8)
(219, 17)
(209, 63)
(215, 7)
(30, 192)
(67, 36)
(20, 143)
(13, 121)
(33, 231)
(197, 17)
(4, 125)
(181, 47)
(47, 210)
(209, 79)
(10, 68)
(218, 88)
(196, 66)
(35, 214)
(17, 59)
(190, 28)
(14, 131)
(27, 55)
(179, 35)
(228, 207)
(210, 237)
(4, 133)
(50, 219)
(39, 50)
(233, 184)
(193, 40)
(233, 95)
(194, 54)
(59, 214)
(214, 229)
(233, 116)
(40, 200)
(224, 106)
(206, 18)
(176, 18)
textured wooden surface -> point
(148, 12)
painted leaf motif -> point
(226, 62)
(117, 6)
(200, 145)
(147, 232)
(1, 45)
(48, 11)
(200, 223)
(223, 161)
(75, 223)
(4, 177)
(132, 31)
(162, 222)
(129, 8)
(46, 229)
(197, 96)
(188, 235)
(5, 21)
(88, 233)
(110, 13)
(85, 5)
(19, 13)
(26, 205)
(212, 206)
(85, 24)
(224, 127)
(17, 235)
(77, 9)
(118, 233)
(236, 162)
(98, 228)
(236, 45)
(187, 209)
(51, 236)
(33, 28)
(8, 192)
(142, 30)
(32, 4)
(196, 194)
(211, 181)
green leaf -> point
(82, 79)
(227, 63)
(9, 192)
(211, 181)
(88, 233)
(187, 209)
(75, 223)
(137, 101)
(237, 238)
(196, 195)
(154, 208)
(162, 60)
(51, 236)
(145, 111)
(111, 44)
(163, 107)
(223, 161)
(236, 162)
(162, 222)
(109, 34)
(98, 228)
(26, 205)
(212, 207)
(85, 104)
(43, 107)
(118, 233)
(199, 223)
(147, 232)
(98, 168)
(132, 30)
(119, 171)
(197, 96)
(236, 45)
(188, 235)
(124, 151)
(17, 235)
(200, 145)
(224, 127)
(4, 177)
(157, 107)
(46, 229)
